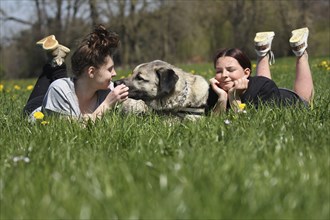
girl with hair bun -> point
(90, 93)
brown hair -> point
(93, 49)
(235, 53)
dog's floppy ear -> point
(167, 80)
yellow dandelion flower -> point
(192, 72)
(17, 87)
(38, 115)
(29, 87)
(254, 65)
(324, 65)
(44, 122)
(242, 106)
(1, 87)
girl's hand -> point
(118, 94)
(234, 94)
(215, 86)
(240, 86)
(221, 104)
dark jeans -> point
(49, 74)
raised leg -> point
(53, 70)
(263, 68)
(303, 84)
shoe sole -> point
(48, 43)
(263, 37)
(298, 35)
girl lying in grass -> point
(86, 95)
(233, 83)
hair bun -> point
(101, 32)
(101, 38)
(94, 49)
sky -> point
(22, 9)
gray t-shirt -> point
(61, 98)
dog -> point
(164, 88)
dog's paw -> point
(132, 106)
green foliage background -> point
(176, 31)
(265, 164)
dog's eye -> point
(139, 77)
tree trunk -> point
(94, 13)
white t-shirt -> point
(61, 98)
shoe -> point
(58, 51)
(48, 43)
(263, 45)
(59, 55)
(298, 41)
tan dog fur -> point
(165, 88)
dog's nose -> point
(118, 82)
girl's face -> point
(227, 71)
(103, 75)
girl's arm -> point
(234, 94)
(117, 95)
(221, 104)
(234, 100)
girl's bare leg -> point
(263, 68)
(303, 84)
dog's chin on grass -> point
(134, 106)
(139, 107)
(139, 95)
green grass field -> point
(265, 164)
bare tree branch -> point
(5, 18)
(19, 20)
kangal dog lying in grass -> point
(161, 87)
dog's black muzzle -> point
(118, 82)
